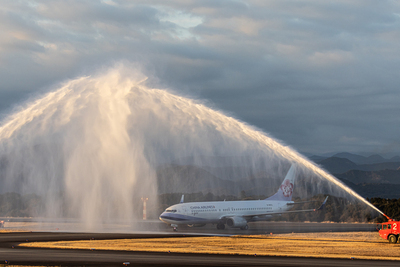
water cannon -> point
(387, 217)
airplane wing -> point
(290, 211)
(302, 202)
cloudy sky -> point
(322, 76)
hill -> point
(192, 179)
(338, 165)
(371, 190)
(361, 159)
(372, 177)
(383, 184)
(342, 162)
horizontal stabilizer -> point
(302, 202)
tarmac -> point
(11, 254)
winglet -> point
(323, 204)
(182, 199)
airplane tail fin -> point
(285, 191)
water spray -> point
(99, 139)
(294, 156)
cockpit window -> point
(170, 210)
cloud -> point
(331, 58)
(309, 72)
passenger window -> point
(384, 227)
(389, 226)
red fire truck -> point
(390, 230)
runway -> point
(156, 226)
(33, 256)
(115, 258)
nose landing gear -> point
(175, 227)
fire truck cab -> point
(390, 230)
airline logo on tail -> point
(287, 188)
(285, 191)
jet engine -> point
(236, 222)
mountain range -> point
(372, 176)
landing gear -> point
(175, 227)
(220, 226)
(246, 227)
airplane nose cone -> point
(162, 216)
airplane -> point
(235, 214)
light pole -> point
(144, 199)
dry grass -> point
(11, 227)
(11, 231)
(360, 245)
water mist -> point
(92, 147)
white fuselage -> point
(214, 212)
